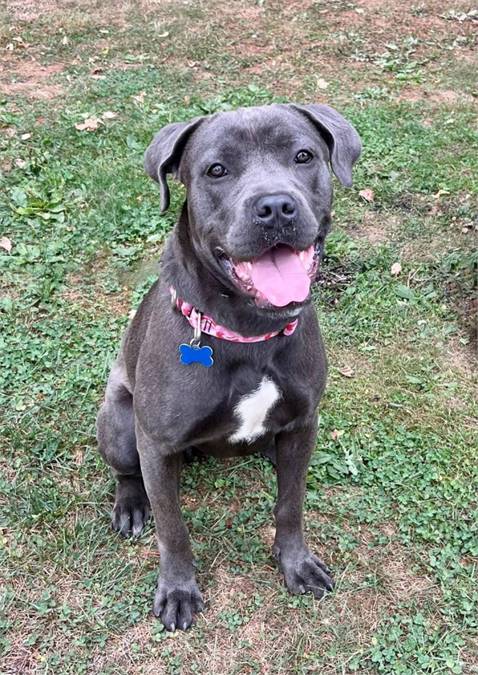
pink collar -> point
(210, 327)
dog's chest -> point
(252, 410)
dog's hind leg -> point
(270, 453)
(117, 444)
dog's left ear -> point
(342, 139)
(164, 154)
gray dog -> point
(225, 354)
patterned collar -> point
(205, 324)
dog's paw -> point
(305, 572)
(131, 510)
(129, 518)
(177, 605)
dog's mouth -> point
(278, 277)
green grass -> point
(391, 500)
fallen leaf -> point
(347, 371)
(337, 433)
(322, 84)
(109, 115)
(90, 124)
(6, 244)
(20, 163)
(25, 137)
(367, 194)
(395, 269)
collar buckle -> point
(196, 339)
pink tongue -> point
(280, 276)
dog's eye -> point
(303, 156)
(217, 170)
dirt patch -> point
(462, 361)
(460, 358)
(441, 97)
(87, 296)
(288, 45)
(428, 19)
(115, 304)
(30, 90)
(27, 10)
(67, 14)
(348, 364)
(375, 227)
(31, 79)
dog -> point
(224, 354)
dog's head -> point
(259, 192)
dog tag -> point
(191, 354)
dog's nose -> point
(274, 210)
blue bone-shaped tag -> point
(189, 354)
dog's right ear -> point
(164, 154)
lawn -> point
(393, 487)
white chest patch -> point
(252, 411)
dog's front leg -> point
(303, 571)
(177, 596)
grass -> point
(391, 501)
